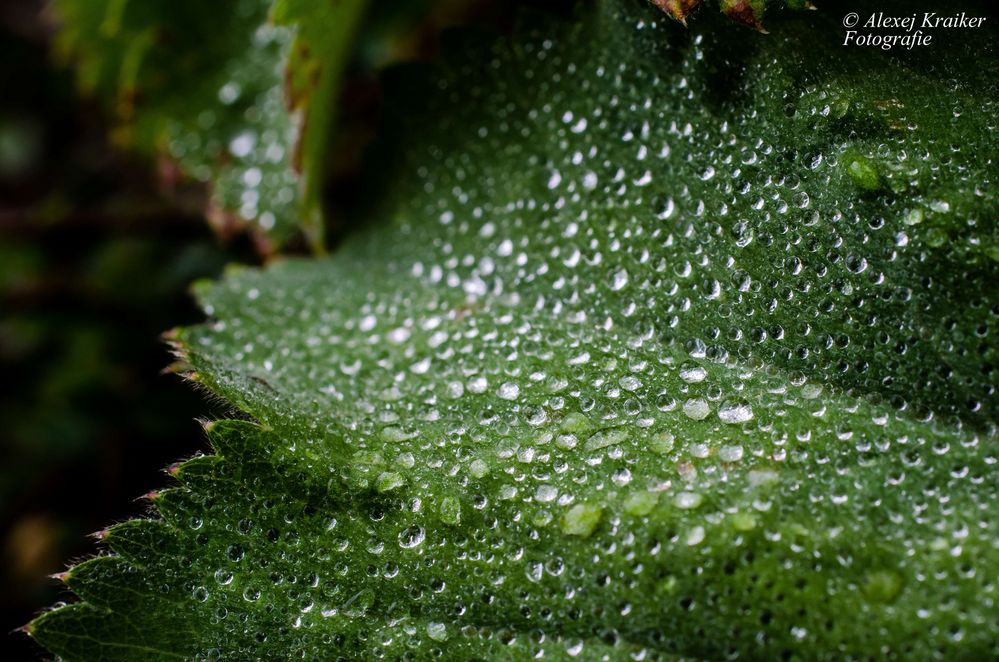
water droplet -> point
(687, 500)
(509, 391)
(730, 453)
(411, 537)
(692, 373)
(546, 493)
(619, 280)
(696, 409)
(734, 412)
(437, 631)
(695, 536)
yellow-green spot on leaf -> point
(605, 438)
(581, 519)
(576, 423)
(935, 237)
(365, 465)
(939, 544)
(388, 481)
(882, 586)
(743, 521)
(478, 468)
(913, 216)
(662, 442)
(450, 511)
(761, 477)
(666, 586)
(641, 503)
(863, 172)
(394, 434)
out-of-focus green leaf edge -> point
(319, 56)
(152, 62)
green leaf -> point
(206, 84)
(631, 360)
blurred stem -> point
(321, 113)
(112, 17)
(129, 76)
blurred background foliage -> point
(98, 244)
(95, 255)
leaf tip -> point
(62, 577)
(153, 495)
(746, 12)
(678, 9)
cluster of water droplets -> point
(636, 367)
(243, 142)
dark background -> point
(96, 252)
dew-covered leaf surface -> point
(660, 343)
(241, 93)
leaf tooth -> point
(63, 576)
(180, 367)
(747, 12)
(678, 9)
(151, 495)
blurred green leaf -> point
(240, 95)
